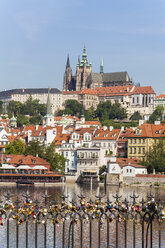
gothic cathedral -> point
(86, 79)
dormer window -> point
(34, 161)
(158, 131)
(4, 137)
(138, 131)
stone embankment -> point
(148, 179)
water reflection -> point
(72, 191)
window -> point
(135, 150)
(143, 150)
(139, 150)
(143, 141)
(135, 141)
(130, 150)
(139, 141)
(130, 170)
(127, 170)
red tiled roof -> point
(129, 162)
(85, 130)
(92, 123)
(102, 134)
(161, 96)
(61, 137)
(27, 160)
(70, 92)
(149, 130)
(88, 91)
(143, 90)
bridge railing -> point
(83, 223)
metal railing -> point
(84, 218)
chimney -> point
(110, 128)
(157, 122)
(104, 128)
(141, 122)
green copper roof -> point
(84, 61)
(102, 66)
(13, 118)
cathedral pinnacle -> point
(84, 61)
(102, 66)
(68, 62)
(78, 62)
(49, 108)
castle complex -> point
(86, 79)
(89, 89)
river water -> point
(72, 191)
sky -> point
(37, 35)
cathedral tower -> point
(83, 72)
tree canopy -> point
(17, 147)
(34, 148)
(57, 161)
(105, 111)
(31, 112)
(157, 114)
(1, 107)
(136, 116)
(155, 158)
(108, 111)
(72, 107)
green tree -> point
(17, 147)
(136, 116)
(34, 120)
(22, 120)
(157, 114)
(14, 107)
(90, 114)
(72, 107)
(60, 112)
(155, 158)
(107, 111)
(1, 107)
(32, 107)
(34, 148)
(57, 161)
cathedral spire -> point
(78, 61)
(68, 61)
(102, 66)
(49, 107)
(84, 60)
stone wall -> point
(145, 179)
(113, 179)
